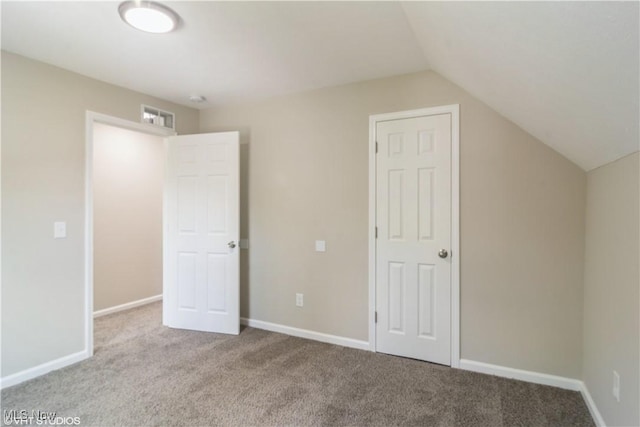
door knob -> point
(231, 244)
(443, 253)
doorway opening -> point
(124, 164)
(127, 218)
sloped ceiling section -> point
(566, 72)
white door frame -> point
(90, 119)
(454, 110)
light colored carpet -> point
(144, 374)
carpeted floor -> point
(144, 374)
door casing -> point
(454, 110)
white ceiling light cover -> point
(148, 16)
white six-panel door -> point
(201, 257)
(413, 218)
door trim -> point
(454, 110)
(91, 118)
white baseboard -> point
(45, 368)
(593, 409)
(127, 306)
(519, 374)
(305, 333)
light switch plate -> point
(59, 230)
(321, 246)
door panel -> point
(413, 215)
(426, 300)
(396, 286)
(201, 269)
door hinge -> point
(376, 232)
(376, 146)
(375, 317)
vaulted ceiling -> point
(566, 72)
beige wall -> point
(304, 175)
(611, 292)
(304, 161)
(43, 139)
(128, 172)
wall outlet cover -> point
(59, 230)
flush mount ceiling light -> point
(148, 16)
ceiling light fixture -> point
(197, 98)
(148, 16)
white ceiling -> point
(566, 72)
(226, 51)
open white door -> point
(201, 232)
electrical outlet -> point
(299, 300)
(616, 386)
